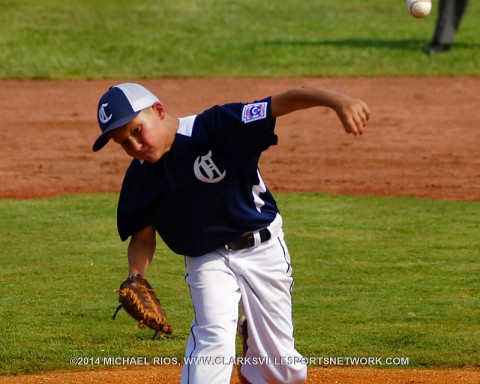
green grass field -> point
(375, 277)
(149, 38)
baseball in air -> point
(419, 8)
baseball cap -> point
(118, 106)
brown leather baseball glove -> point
(138, 298)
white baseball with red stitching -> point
(419, 8)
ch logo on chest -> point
(205, 169)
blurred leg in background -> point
(450, 13)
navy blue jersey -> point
(206, 191)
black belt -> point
(248, 240)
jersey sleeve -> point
(238, 128)
(133, 210)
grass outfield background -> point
(375, 276)
(151, 38)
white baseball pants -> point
(261, 277)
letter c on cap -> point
(102, 115)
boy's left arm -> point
(353, 113)
(136, 295)
(140, 250)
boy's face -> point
(145, 137)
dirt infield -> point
(423, 140)
(167, 374)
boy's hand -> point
(353, 114)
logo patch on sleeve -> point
(253, 112)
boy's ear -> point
(159, 109)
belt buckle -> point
(250, 239)
(247, 241)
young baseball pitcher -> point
(195, 181)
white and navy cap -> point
(118, 106)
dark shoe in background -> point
(433, 49)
